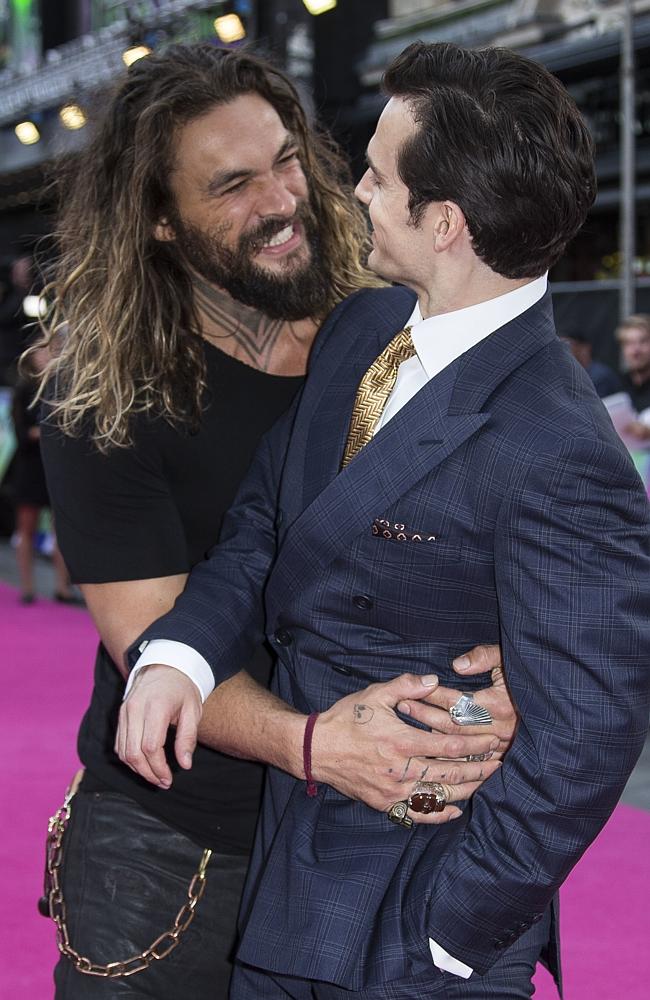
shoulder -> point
(65, 452)
(377, 308)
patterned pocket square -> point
(384, 529)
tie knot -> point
(401, 347)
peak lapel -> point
(371, 322)
(413, 443)
(446, 411)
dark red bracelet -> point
(312, 787)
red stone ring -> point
(427, 797)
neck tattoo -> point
(236, 329)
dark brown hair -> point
(499, 136)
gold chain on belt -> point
(160, 948)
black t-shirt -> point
(153, 510)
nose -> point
(362, 190)
(277, 198)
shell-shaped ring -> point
(467, 713)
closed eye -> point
(237, 186)
(288, 157)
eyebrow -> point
(222, 178)
(373, 167)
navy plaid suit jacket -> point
(542, 544)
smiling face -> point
(242, 218)
(401, 250)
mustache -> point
(254, 240)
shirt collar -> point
(439, 340)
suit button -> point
(343, 670)
(362, 602)
(535, 919)
(283, 637)
(499, 944)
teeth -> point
(281, 237)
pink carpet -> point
(46, 652)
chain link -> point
(160, 948)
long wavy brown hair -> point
(122, 324)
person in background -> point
(205, 234)
(633, 334)
(606, 381)
(13, 318)
(29, 486)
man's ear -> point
(448, 226)
(164, 231)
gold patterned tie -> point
(374, 389)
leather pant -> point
(125, 877)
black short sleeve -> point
(115, 517)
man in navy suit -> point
(492, 501)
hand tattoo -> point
(363, 714)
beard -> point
(301, 292)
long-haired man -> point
(205, 233)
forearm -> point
(243, 719)
(121, 611)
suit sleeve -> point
(572, 566)
(220, 613)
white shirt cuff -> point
(178, 655)
(443, 960)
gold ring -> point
(397, 814)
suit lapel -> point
(446, 411)
(327, 400)
(383, 471)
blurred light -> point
(34, 306)
(230, 28)
(134, 53)
(72, 116)
(27, 133)
(319, 6)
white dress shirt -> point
(438, 341)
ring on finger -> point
(466, 712)
(427, 797)
(476, 758)
(397, 814)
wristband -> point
(312, 787)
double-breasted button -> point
(499, 944)
(342, 670)
(535, 919)
(362, 601)
(283, 637)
